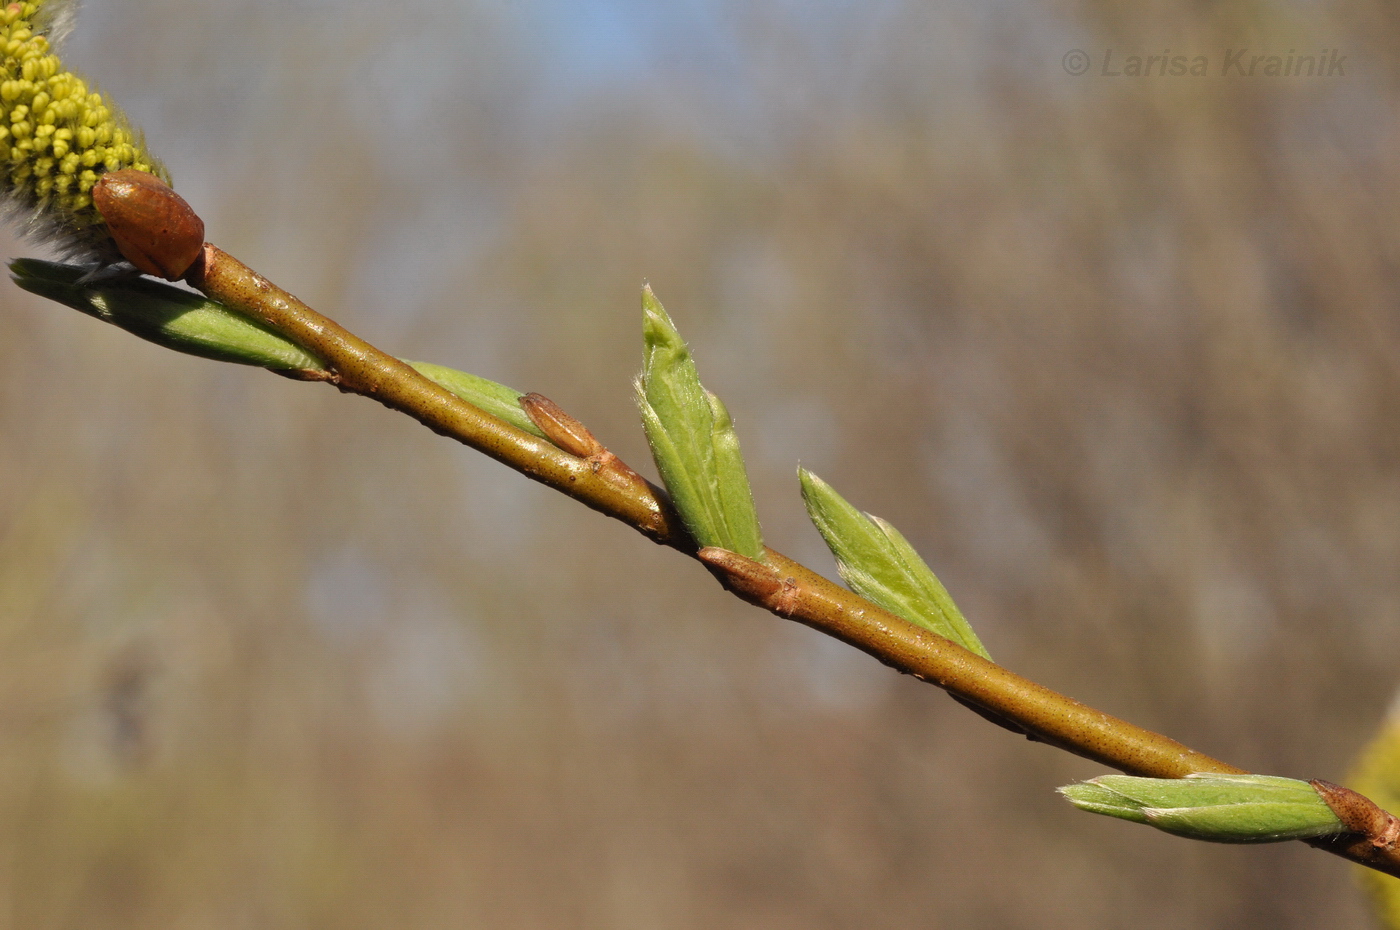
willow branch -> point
(786, 588)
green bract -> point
(56, 135)
(878, 563)
(189, 323)
(693, 441)
(1215, 808)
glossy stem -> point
(790, 589)
(357, 367)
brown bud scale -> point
(153, 227)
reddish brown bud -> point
(1359, 814)
(151, 224)
(559, 427)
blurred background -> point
(1120, 356)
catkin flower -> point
(57, 136)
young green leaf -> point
(693, 441)
(878, 563)
(186, 322)
(1214, 808)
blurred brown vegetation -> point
(1119, 356)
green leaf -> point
(878, 563)
(693, 441)
(168, 316)
(186, 322)
(1214, 808)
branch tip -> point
(1359, 814)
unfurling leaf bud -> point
(693, 441)
(1215, 808)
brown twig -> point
(359, 368)
(582, 468)
(794, 591)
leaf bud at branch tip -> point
(1215, 807)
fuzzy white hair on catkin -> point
(55, 19)
(42, 226)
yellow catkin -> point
(57, 136)
(1377, 776)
